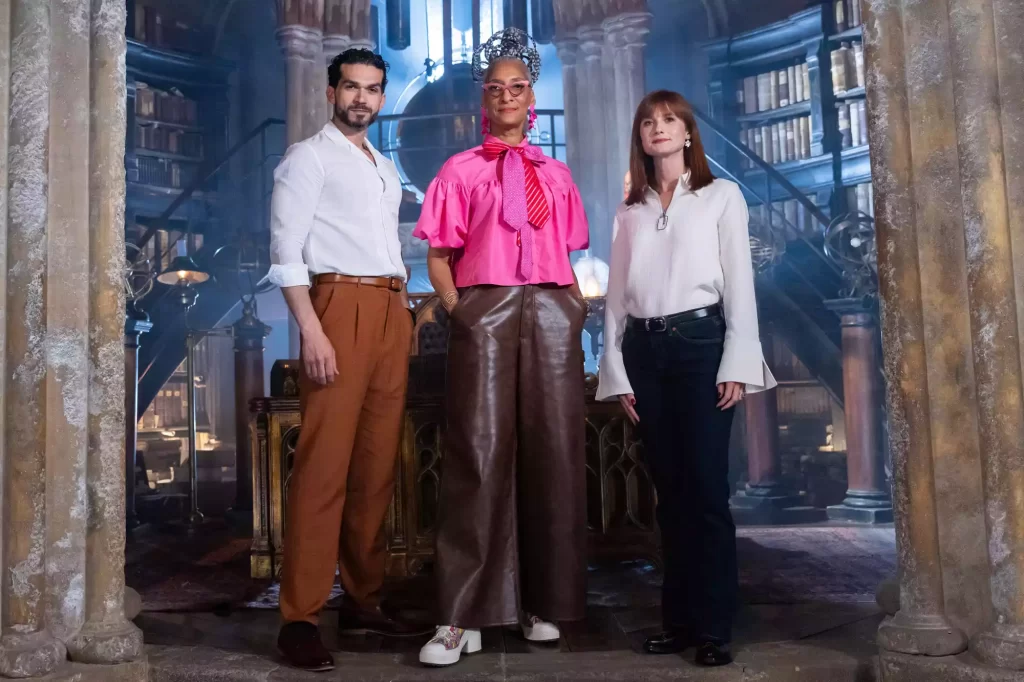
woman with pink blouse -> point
(501, 220)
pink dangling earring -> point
(485, 124)
(533, 118)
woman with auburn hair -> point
(681, 350)
(501, 220)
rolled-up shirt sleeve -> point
(612, 378)
(298, 181)
(742, 357)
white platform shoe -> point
(448, 644)
(537, 630)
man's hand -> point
(628, 402)
(318, 356)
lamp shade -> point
(592, 275)
(183, 271)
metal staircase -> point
(232, 257)
(796, 276)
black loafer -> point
(711, 653)
(300, 645)
(668, 642)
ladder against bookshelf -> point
(793, 93)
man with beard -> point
(334, 224)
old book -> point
(844, 125)
(791, 129)
(757, 147)
(783, 88)
(807, 80)
(855, 18)
(766, 144)
(773, 89)
(854, 124)
(839, 7)
(858, 61)
(862, 114)
(750, 94)
(764, 92)
(776, 144)
(795, 85)
(838, 59)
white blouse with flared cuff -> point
(699, 258)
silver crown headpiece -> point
(510, 43)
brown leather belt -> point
(390, 283)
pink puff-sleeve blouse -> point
(462, 211)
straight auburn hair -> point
(641, 165)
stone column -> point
(63, 342)
(867, 499)
(135, 325)
(249, 333)
(766, 498)
(626, 37)
(948, 188)
(568, 49)
(301, 38)
(594, 153)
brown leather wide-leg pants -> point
(512, 527)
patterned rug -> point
(777, 566)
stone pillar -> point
(766, 498)
(135, 325)
(568, 49)
(62, 587)
(945, 98)
(594, 109)
(249, 333)
(625, 38)
(867, 499)
(301, 38)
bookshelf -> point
(793, 93)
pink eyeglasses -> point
(495, 90)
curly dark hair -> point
(357, 55)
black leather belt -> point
(660, 325)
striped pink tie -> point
(522, 197)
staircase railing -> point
(771, 175)
(204, 176)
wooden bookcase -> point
(177, 112)
(793, 93)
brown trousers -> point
(513, 518)
(343, 477)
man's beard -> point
(345, 116)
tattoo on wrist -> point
(450, 299)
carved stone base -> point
(33, 655)
(136, 671)
(921, 635)
(763, 510)
(1001, 645)
(896, 667)
(106, 644)
(863, 507)
(887, 596)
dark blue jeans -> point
(686, 440)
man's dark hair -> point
(357, 55)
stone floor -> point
(807, 616)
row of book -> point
(165, 173)
(171, 141)
(847, 14)
(160, 30)
(847, 67)
(779, 142)
(167, 106)
(775, 89)
(790, 217)
(861, 198)
(853, 123)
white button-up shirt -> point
(701, 258)
(335, 211)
